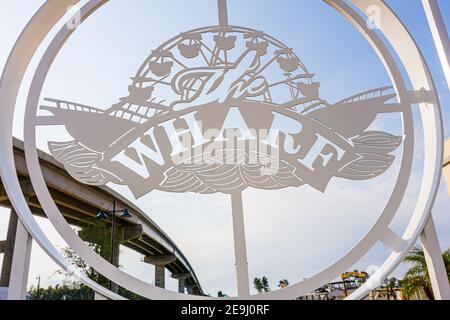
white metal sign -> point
(223, 109)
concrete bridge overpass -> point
(80, 205)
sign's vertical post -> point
(240, 246)
(223, 13)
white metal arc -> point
(119, 277)
(14, 71)
(440, 35)
(418, 71)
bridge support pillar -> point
(8, 251)
(192, 290)
(160, 263)
(181, 277)
(189, 289)
(20, 264)
(160, 275)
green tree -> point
(261, 284)
(390, 284)
(417, 277)
(220, 294)
(98, 237)
(67, 291)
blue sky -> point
(286, 234)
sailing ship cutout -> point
(221, 109)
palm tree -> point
(265, 283)
(417, 277)
(390, 284)
(261, 284)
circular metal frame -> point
(394, 32)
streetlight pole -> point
(113, 238)
(38, 289)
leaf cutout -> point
(370, 165)
(374, 148)
(79, 162)
(376, 142)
